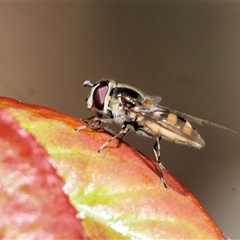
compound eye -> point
(99, 95)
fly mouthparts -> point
(87, 84)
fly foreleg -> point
(123, 132)
(157, 153)
(93, 122)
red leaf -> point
(32, 203)
(118, 190)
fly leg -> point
(134, 125)
(93, 122)
(157, 152)
(123, 132)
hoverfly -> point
(133, 109)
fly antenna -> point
(88, 84)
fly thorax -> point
(131, 115)
(116, 108)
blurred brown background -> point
(188, 53)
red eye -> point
(99, 95)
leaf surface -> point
(32, 203)
(118, 191)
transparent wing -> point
(161, 122)
(156, 99)
(179, 115)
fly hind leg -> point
(157, 153)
